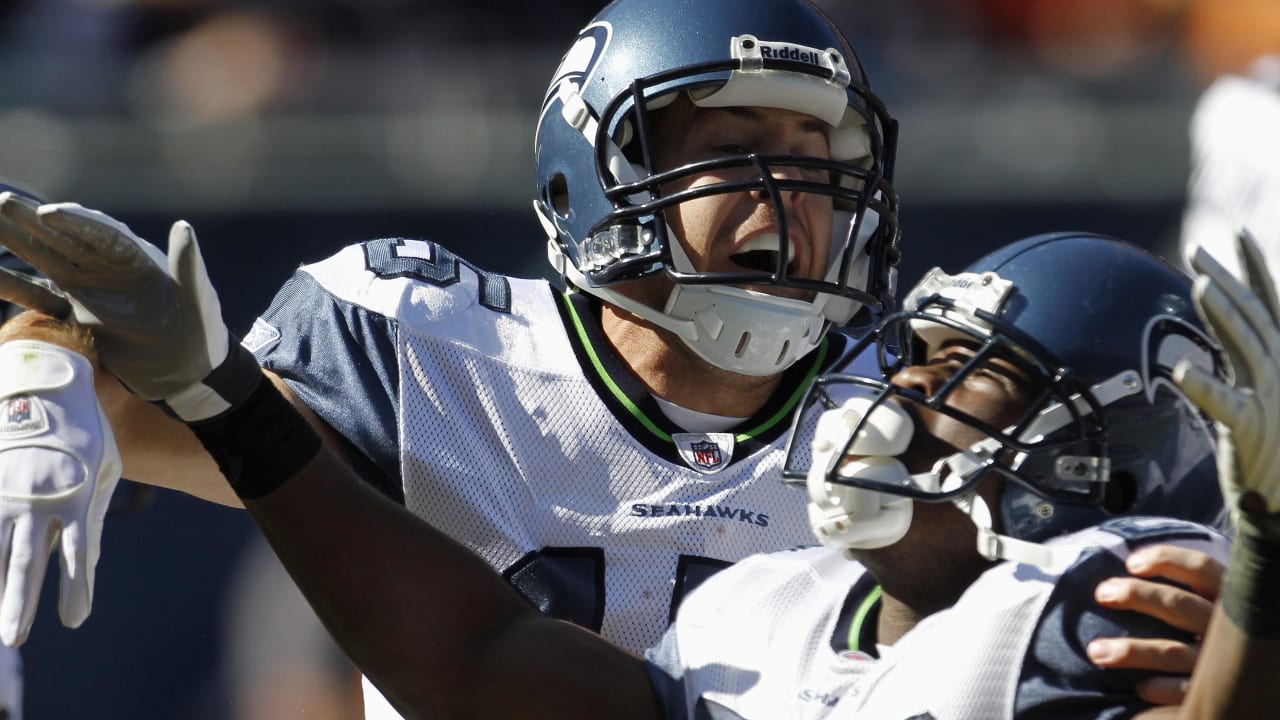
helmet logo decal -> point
(577, 65)
(708, 453)
(1167, 340)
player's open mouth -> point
(761, 253)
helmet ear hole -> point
(1120, 493)
(557, 194)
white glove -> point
(1243, 315)
(58, 468)
(157, 321)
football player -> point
(1027, 416)
(1006, 421)
(714, 180)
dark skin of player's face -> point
(932, 565)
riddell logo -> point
(787, 51)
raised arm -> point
(56, 481)
(155, 448)
(1236, 677)
(432, 625)
(58, 463)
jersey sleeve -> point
(340, 359)
(1058, 680)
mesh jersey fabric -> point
(486, 403)
(1011, 646)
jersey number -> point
(431, 263)
(568, 583)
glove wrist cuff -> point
(1252, 584)
(260, 443)
(220, 391)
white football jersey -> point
(495, 410)
(1012, 646)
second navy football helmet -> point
(601, 200)
(1096, 325)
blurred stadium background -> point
(286, 128)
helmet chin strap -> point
(994, 546)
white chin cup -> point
(746, 331)
(845, 517)
(850, 518)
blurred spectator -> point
(1235, 165)
(279, 662)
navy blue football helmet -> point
(601, 203)
(1097, 325)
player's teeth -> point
(767, 242)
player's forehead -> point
(683, 122)
(771, 119)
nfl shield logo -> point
(708, 453)
(21, 415)
(17, 410)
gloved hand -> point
(156, 319)
(1244, 316)
(58, 469)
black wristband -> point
(260, 443)
(1251, 593)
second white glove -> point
(59, 465)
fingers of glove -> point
(75, 592)
(1254, 265)
(30, 293)
(1132, 653)
(75, 247)
(1239, 319)
(1213, 395)
(1197, 570)
(105, 252)
(1165, 691)
(22, 232)
(1180, 608)
(30, 542)
(186, 266)
(97, 234)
